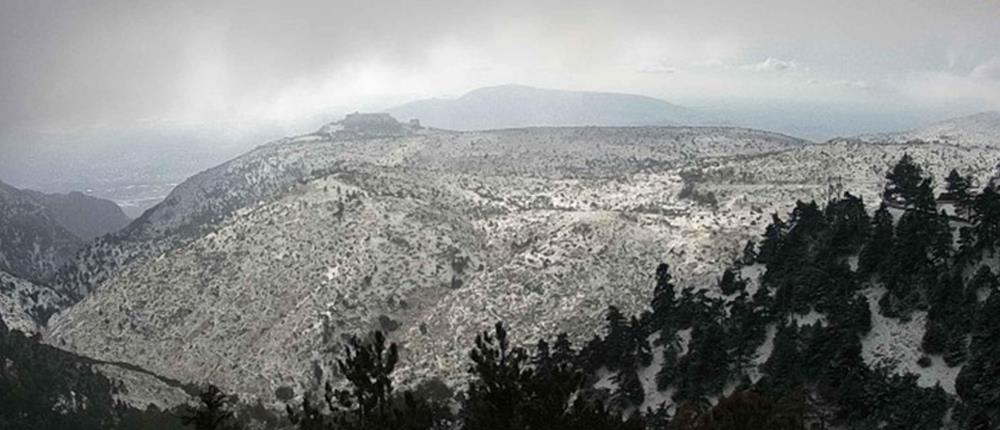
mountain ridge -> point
(517, 106)
(33, 244)
(85, 216)
(979, 129)
(325, 235)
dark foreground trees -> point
(45, 388)
(744, 410)
(511, 390)
(369, 402)
(213, 413)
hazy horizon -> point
(114, 86)
(102, 64)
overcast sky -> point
(79, 64)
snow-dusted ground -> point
(762, 354)
(248, 272)
(979, 130)
(811, 318)
(21, 303)
(896, 345)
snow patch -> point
(896, 345)
(809, 319)
(762, 354)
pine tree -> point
(636, 353)
(562, 351)
(309, 416)
(946, 320)
(731, 284)
(667, 375)
(749, 253)
(593, 355)
(704, 370)
(782, 370)
(982, 282)
(980, 421)
(542, 359)
(594, 415)
(878, 249)
(213, 413)
(986, 219)
(658, 418)
(617, 342)
(639, 342)
(745, 331)
(978, 383)
(923, 198)
(920, 253)
(548, 390)
(507, 393)
(663, 297)
(744, 410)
(902, 182)
(496, 393)
(368, 367)
(849, 222)
(959, 189)
(630, 392)
(773, 235)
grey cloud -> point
(773, 65)
(988, 70)
(76, 64)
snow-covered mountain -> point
(39, 234)
(508, 106)
(249, 272)
(281, 252)
(982, 129)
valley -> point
(253, 274)
(286, 251)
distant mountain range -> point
(981, 129)
(515, 106)
(41, 232)
(85, 216)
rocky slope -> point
(249, 272)
(321, 237)
(40, 233)
(33, 245)
(24, 305)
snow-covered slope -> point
(33, 245)
(288, 248)
(979, 130)
(250, 271)
(24, 305)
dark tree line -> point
(42, 387)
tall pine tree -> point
(902, 182)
